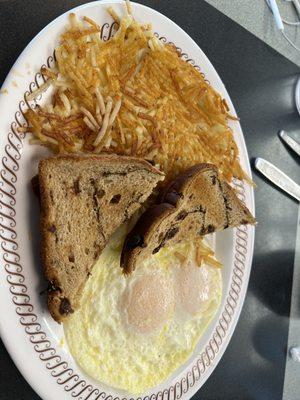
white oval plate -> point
(32, 338)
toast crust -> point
(105, 158)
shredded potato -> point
(203, 254)
(133, 95)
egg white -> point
(104, 344)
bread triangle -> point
(194, 204)
(83, 200)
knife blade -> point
(279, 178)
(290, 142)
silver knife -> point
(278, 177)
(290, 142)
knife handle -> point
(278, 177)
(290, 142)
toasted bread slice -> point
(83, 200)
(194, 204)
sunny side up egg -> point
(133, 332)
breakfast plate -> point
(34, 340)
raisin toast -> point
(84, 199)
(194, 204)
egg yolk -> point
(194, 288)
(149, 303)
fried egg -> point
(133, 332)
